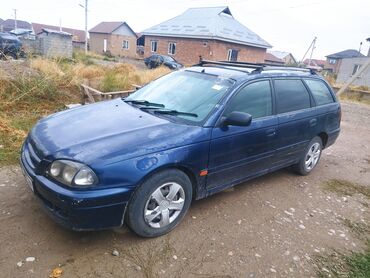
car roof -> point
(244, 73)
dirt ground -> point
(274, 226)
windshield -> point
(183, 92)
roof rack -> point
(258, 67)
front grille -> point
(32, 155)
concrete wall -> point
(55, 45)
(189, 50)
(114, 44)
(346, 69)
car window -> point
(291, 95)
(320, 92)
(254, 99)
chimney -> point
(368, 52)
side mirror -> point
(237, 119)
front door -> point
(239, 152)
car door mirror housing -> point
(237, 119)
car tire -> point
(159, 204)
(310, 158)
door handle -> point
(313, 122)
(271, 132)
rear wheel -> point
(310, 157)
(159, 204)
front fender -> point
(132, 172)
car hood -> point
(109, 131)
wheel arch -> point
(186, 170)
(324, 138)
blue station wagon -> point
(141, 160)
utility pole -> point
(15, 19)
(85, 7)
(312, 45)
(313, 48)
(86, 26)
(359, 49)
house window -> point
(232, 55)
(355, 69)
(172, 48)
(125, 45)
(332, 61)
(153, 46)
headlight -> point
(72, 173)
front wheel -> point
(159, 204)
(310, 157)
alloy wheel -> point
(312, 156)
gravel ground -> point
(273, 226)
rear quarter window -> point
(320, 92)
(291, 95)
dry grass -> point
(346, 188)
(40, 86)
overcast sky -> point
(288, 25)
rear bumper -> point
(79, 209)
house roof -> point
(77, 35)
(208, 23)
(50, 31)
(349, 53)
(8, 25)
(315, 62)
(272, 58)
(278, 54)
(1, 20)
(108, 27)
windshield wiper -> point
(175, 113)
(144, 102)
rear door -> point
(296, 119)
(327, 109)
(238, 152)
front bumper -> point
(78, 209)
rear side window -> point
(320, 92)
(291, 95)
(254, 99)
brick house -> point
(212, 33)
(116, 38)
(333, 61)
